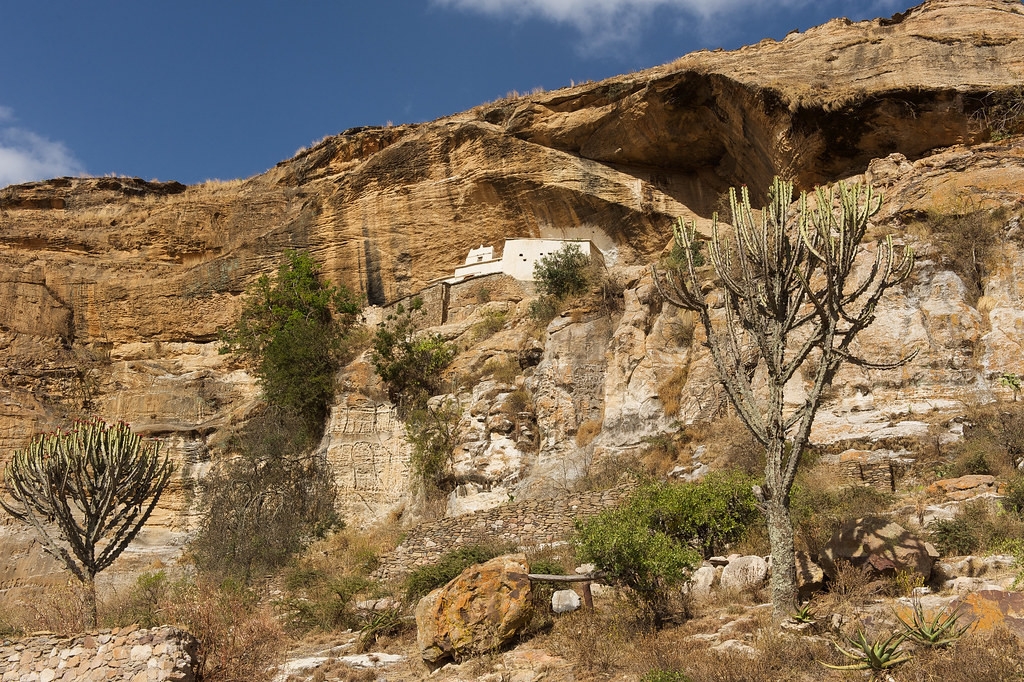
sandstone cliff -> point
(112, 290)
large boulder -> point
(880, 546)
(476, 612)
(744, 573)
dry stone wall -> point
(123, 654)
(525, 524)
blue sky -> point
(201, 89)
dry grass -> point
(588, 431)
(240, 637)
(618, 645)
(59, 609)
(670, 391)
(730, 445)
(502, 369)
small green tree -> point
(95, 486)
(566, 272)
(653, 542)
(409, 363)
(293, 330)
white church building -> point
(518, 258)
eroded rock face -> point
(477, 612)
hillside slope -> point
(112, 290)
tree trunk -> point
(780, 535)
(89, 601)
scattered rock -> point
(965, 487)
(736, 647)
(701, 582)
(476, 612)
(370, 660)
(565, 601)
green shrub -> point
(626, 544)
(708, 515)
(1013, 500)
(424, 579)
(563, 273)
(408, 363)
(492, 322)
(294, 331)
(141, 604)
(434, 434)
(318, 601)
(653, 542)
(542, 310)
(978, 526)
(547, 567)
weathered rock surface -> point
(880, 546)
(476, 612)
(994, 609)
(744, 573)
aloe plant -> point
(941, 630)
(877, 655)
(803, 614)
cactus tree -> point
(792, 301)
(87, 492)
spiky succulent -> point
(941, 630)
(876, 655)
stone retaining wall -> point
(523, 524)
(123, 654)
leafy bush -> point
(707, 516)
(318, 601)
(563, 273)
(1013, 500)
(434, 434)
(542, 310)
(141, 604)
(492, 322)
(628, 546)
(408, 363)
(653, 542)
(424, 579)
(976, 527)
(293, 330)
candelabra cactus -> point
(86, 492)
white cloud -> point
(606, 19)
(27, 156)
(621, 21)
